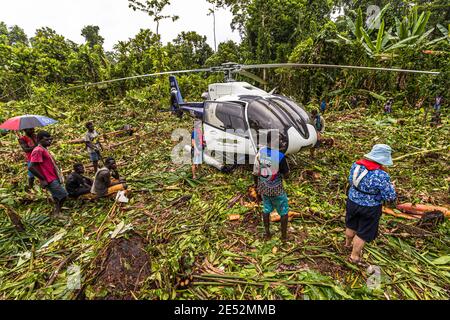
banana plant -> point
(412, 25)
(409, 32)
(357, 27)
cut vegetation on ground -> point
(174, 239)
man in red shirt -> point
(43, 167)
(28, 142)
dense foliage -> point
(412, 34)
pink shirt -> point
(45, 163)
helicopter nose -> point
(297, 141)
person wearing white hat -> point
(370, 186)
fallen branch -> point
(136, 137)
(14, 217)
(60, 266)
(420, 152)
(400, 215)
(109, 215)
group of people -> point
(42, 165)
(370, 186)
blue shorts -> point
(29, 173)
(57, 190)
(364, 220)
(94, 156)
(279, 203)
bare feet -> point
(357, 262)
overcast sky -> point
(115, 19)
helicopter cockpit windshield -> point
(292, 114)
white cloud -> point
(115, 19)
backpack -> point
(357, 177)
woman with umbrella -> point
(28, 142)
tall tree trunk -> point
(214, 28)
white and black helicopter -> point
(237, 116)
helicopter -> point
(237, 117)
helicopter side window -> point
(212, 116)
(226, 116)
(236, 118)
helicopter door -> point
(225, 128)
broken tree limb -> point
(14, 217)
(420, 152)
(108, 216)
(60, 266)
(136, 137)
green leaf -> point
(347, 41)
(367, 40)
(341, 292)
(444, 31)
(380, 38)
(358, 25)
(442, 260)
(269, 274)
(401, 44)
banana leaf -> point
(380, 38)
(367, 40)
(401, 44)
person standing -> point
(370, 186)
(93, 145)
(197, 145)
(436, 117)
(28, 142)
(44, 167)
(271, 167)
(437, 103)
(319, 124)
(388, 106)
(323, 106)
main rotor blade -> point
(252, 76)
(138, 76)
(307, 65)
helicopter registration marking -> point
(229, 141)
